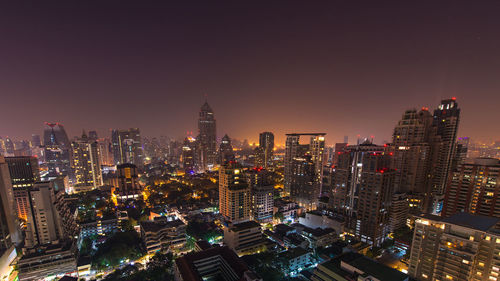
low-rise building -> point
(295, 260)
(244, 238)
(55, 260)
(162, 234)
(323, 219)
(217, 263)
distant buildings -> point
(304, 169)
(86, 164)
(207, 137)
(57, 149)
(127, 146)
(474, 188)
(461, 247)
(266, 144)
(226, 153)
(189, 158)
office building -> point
(304, 168)
(226, 153)
(266, 144)
(474, 188)
(57, 149)
(234, 193)
(86, 165)
(127, 146)
(207, 137)
(363, 191)
(105, 149)
(461, 247)
(35, 141)
(126, 182)
(218, 263)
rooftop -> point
(188, 270)
(244, 225)
(150, 226)
(483, 223)
(364, 264)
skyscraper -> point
(362, 191)
(446, 120)
(304, 168)
(86, 165)
(226, 153)
(266, 143)
(207, 137)
(234, 194)
(474, 188)
(35, 141)
(57, 150)
(127, 146)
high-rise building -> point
(51, 220)
(226, 153)
(446, 120)
(207, 137)
(266, 143)
(304, 169)
(86, 165)
(410, 148)
(93, 135)
(460, 247)
(262, 195)
(9, 230)
(362, 191)
(474, 188)
(234, 194)
(189, 156)
(57, 150)
(127, 146)
(24, 173)
(126, 182)
(105, 152)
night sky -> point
(340, 67)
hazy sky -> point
(340, 67)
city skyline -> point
(335, 68)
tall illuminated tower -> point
(207, 137)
